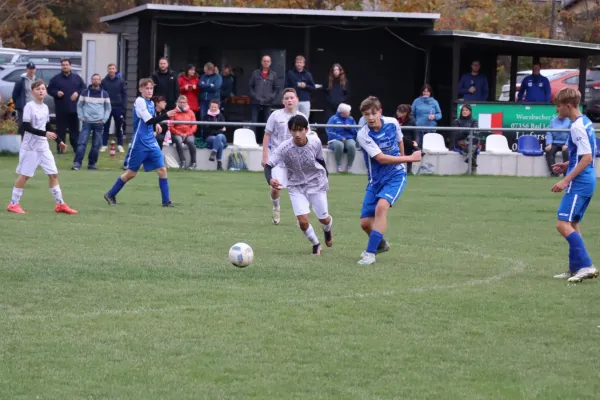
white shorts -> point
(29, 160)
(301, 204)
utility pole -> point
(552, 20)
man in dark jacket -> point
(165, 81)
(301, 80)
(227, 87)
(473, 86)
(263, 89)
(22, 93)
(65, 89)
(117, 91)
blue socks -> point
(163, 183)
(374, 241)
(116, 187)
(578, 255)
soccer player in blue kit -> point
(579, 184)
(380, 141)
(144, 149)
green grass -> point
(139, 302)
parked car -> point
(551, 74)
(591, 104)
(10, 56)
(39, 57)
(10, 74)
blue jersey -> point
(386, 141)
(582, 140)
(143, 134)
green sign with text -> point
(513, 115)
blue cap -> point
(30, 65)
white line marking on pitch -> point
(518, 268)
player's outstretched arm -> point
(387, 159)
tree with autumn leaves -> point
(58, 24)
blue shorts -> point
(572, 207)
(151, 159)
(391, 192)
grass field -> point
(139, 302)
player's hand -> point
(74, 96)
(559, 186)
(416, 156)
(548, 148)
(158, 129)
(564, 147)
(60, 94)
(51, 135)
(63, 147)
(264, 161)
(559, 168)
(193, 87)
(171, 113)
(275, 184)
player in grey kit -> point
(307, 174)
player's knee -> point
(563, 227)
(303, 222)
(365, 224)
(381, 209)
(162, 170)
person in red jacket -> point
(184, 134)
(188, 87)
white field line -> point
(516, 267)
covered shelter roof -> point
(521, 45)
(282, 14)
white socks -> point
(310, 234)
(16, 196)
(57, 194)
(327, 228)
(275, 202)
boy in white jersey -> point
(276, 132)
(579, 184)
(381, 141)
(35, 151)
(302, 157)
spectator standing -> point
(227, 85)
(535, 88)
(263, 90)
(22, 93)
(184, 134)
(65, 89)
(189, 87)
(160, 105)
(338, 88)
(557, 141)
(93, 110)
(214, 135)
(405, 118)
(473, 86)
(460, 139)
(426, 111)
(302, 81)
(165, 83)
(116, 88)
(342, 140)
(210, 84)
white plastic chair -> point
(245, 138)
(497, 144)
(434, 143)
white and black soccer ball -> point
(241, 255)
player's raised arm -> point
(368, 145)
(142, 112)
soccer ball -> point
(241, 255)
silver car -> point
(10, 74)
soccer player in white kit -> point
(35, 151)
(276, 132)
(302, 156)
